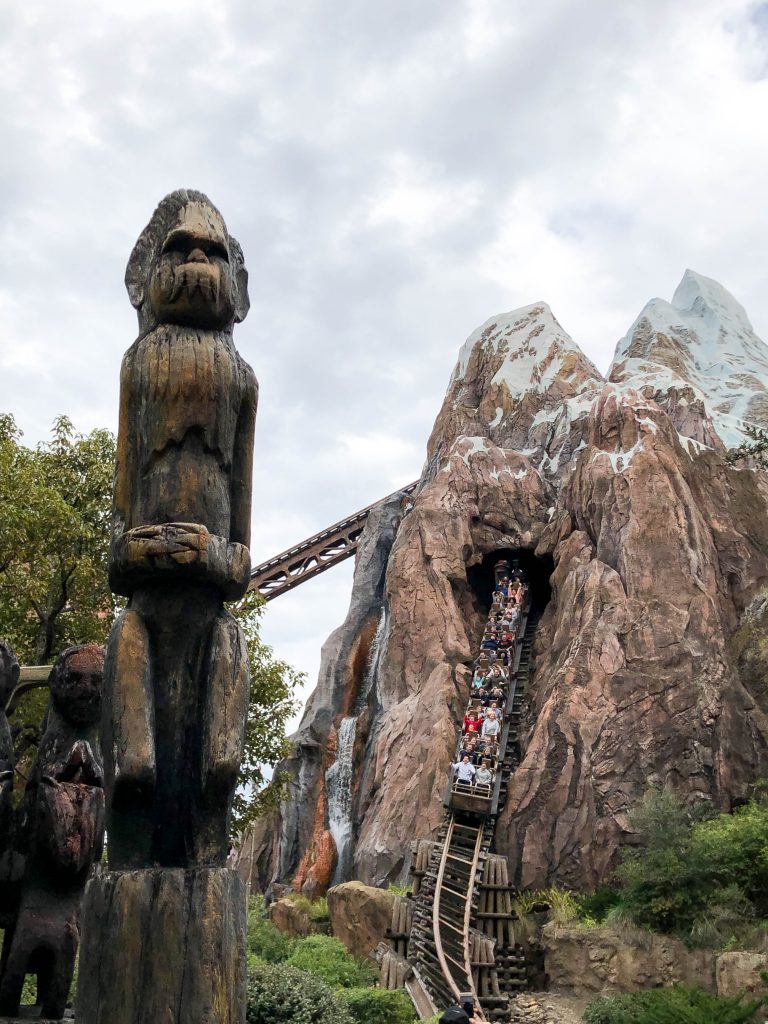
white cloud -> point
(396, 175)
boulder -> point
(360, 915)
(291, 918)
(740, 972)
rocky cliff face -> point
(645, 549)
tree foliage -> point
(756, 447)
(706, 880)
(280, 994)
(55, 509)
(273, 683)
(675, 1005)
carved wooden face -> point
(76, 686)
(191, 280)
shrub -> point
(664, 886)
(278, 994)
(316, 909)
(378, 1006)
(328, 959)
(676, 1005)
(707, 880)
(399, 890)
(595, 906)
(734, 848)
(265, 941)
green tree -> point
(662, 880)
(734, 849)
(55, 509)
(756, 447)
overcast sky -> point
(396, 173)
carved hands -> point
(171, 550)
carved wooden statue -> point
(176, 677)
(9, 677)
(61, 832)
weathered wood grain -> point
(164, 947)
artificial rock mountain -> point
(616, 494)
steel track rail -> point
(442, 956)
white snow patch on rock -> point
(703, 339)
(534, 349)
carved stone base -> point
(163, 945)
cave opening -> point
(537, 571)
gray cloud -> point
(396, 174)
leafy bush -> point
(703, 879)
(594, 907)
(664, 885)
(735, 849)
(265, 941)
(676, 1005)
(327, 958)
(278, 994)
(378, 1006)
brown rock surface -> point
(291, 918)
(360, 915)
(601, 961)
(653, 547)
(740, 972)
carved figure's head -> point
(75, 682)
(186, 268)
(9, 674)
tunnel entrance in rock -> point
(537, 573)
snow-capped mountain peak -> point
(701, 345)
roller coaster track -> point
(314, 555)
(455, 947)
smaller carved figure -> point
(61, 831)
(9, 677)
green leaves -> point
(328, 959)
(55, 504)
(705, 880)
(273, 683)
(279, 994)
(675, 1005)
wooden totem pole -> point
(164, 929)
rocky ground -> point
(548, 1008)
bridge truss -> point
(314, 555)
